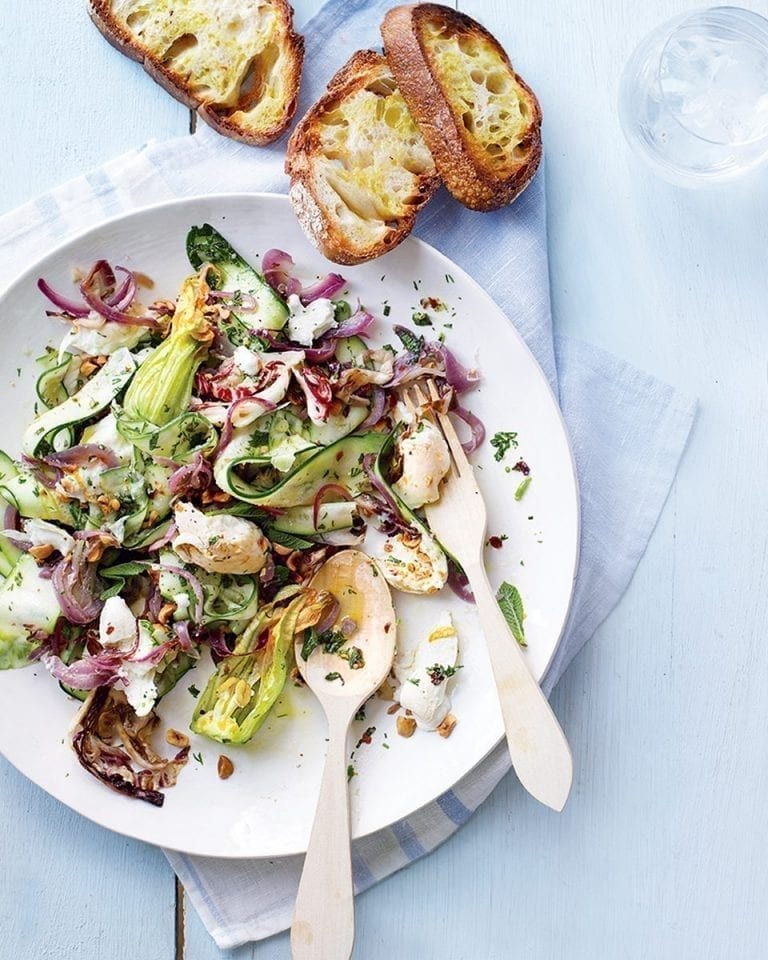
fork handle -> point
(537, 745)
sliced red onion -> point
(193, 582)
(355, 326)
(378, 402)
(183, 637)
(456, 373)
(80, 455)
(226, 431)
(44, 473)
(393, 512)
(457, 581)
(329, 618)
(348, 626)
(475, 424)
(101, 670)
(77, 585)
(124, 295)
(341, 493)
(319, 354)
(327, 288)
(164, 539)
(192, 477)
(101, 273)
(11, 519)
(156, 654)
(72, 307)
(276, 266)
(217, 641)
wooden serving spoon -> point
(324, 918)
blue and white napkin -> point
(628, 430)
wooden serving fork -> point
(537, 745)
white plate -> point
(266, 808)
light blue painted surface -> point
(662, 852)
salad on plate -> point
(189, 467)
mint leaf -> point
(511, 605)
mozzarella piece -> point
(428, 700)
(247, 361)
(306, 324)
(118, 629)
(102, 341)
(426, 461)
(219, 544)
(414, 563)
(41, 533)
(104, 433)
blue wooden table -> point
(662, 851)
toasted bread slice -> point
(480, 120)
(360, 170)
(237, 62)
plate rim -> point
(33, 270)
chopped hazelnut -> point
(166, 612)
(41, 551)
(393, 708)
(87, 367)
(446, 727)
(176, 738)
(297, 679)
(225, 767)
(406, 726)
(386, 691)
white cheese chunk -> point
(218, 544)
(426, 461)
(306, 324)
(424, 689)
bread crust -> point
(453, 148)
(334, 243)
(124, 41)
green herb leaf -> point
(335, 676)
(421, 319)
(511, 605)
(412, 343)
(122, 570)
(354, 657)
(502, 442)
(524, 484)
(289, 540)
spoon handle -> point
(324, 918)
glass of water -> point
(694, 96)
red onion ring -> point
(192, 477)
(276, 266)
(457, 581)
(378, 402)
(326, 622)
(355, 326)
(327, 288)
(341, 492)
(164, 540)
(124, 295)
(72, 307)
(11, 518)
(80, 455)
(475, 424)
(97, 303)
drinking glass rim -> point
(680, 22)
